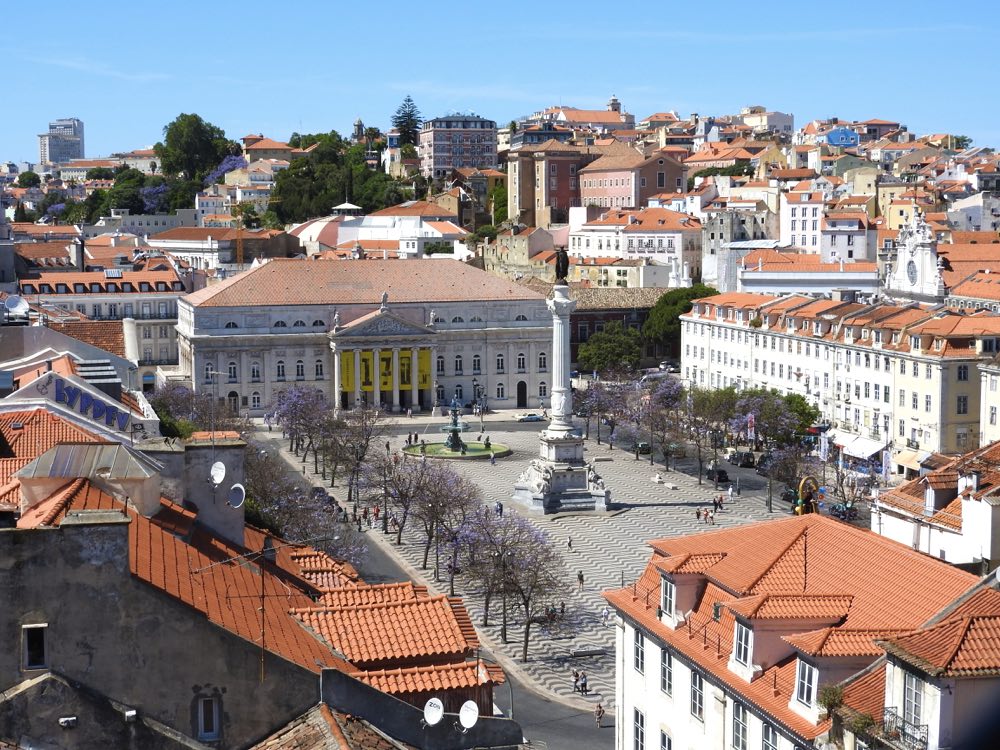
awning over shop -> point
(862, 447)
(911, 459)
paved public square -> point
(608, 548)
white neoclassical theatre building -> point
(404, 335)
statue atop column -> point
(562, 265)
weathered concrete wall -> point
(132, 642)
(405, 722)
(32, 711)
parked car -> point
(670, 365)
(764, 464)
(719, 476)
(528, 417)
(640, 447)
(744, 459)
(677, 450)
(790, 496)
(732, 456)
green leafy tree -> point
(20, 212)
(28, 179)
(708, 414)
(100, 173)
(192, 147)
(663, 326)
(614, 348)
(407, 121)
(408, 151)
(498, 199)
(960, 142)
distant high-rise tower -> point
(63, 142)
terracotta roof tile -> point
(431, 678)
(304, 282)
(416, 208)
(395, 632)
(957, 647)
(355, 596)
(108, 335)
(793, 606)
(797, 560)
(866, 695)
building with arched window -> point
(410, 352)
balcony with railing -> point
(897, 732)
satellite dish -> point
(433, 711)
(217, 473)
(16, 305)
(237, 495)
(468, 715)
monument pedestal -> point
(559, 480)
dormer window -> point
(864, 334)
(668, 595)
(741, 644)
(805, 683)
(915, 342)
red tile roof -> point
(356, 596)
(809, 565)
(432, 678)
(108, 335)
(304, 282)
(957, 647)
(436, 628)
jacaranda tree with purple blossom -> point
(228, 164)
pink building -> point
(630, 179)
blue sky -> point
(127, 69)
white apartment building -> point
(658, 234)
(902, 376)
(145, 300)
(801, 218)
(728, 637)
(848, 236)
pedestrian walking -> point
(493, 458)
(697, 514)
(499, 509)
(605, 614)
(562, 610)
(707, 512)
(579, 580)
(599, 715)
(715, 503)
(409, 413)
(569, 544)
(711, 517)
(583, 683)
(730, 493)
(576, 681)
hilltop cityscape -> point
(584, 428)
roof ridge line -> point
(777, 559)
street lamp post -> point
(503, 595)
(477, 395)
(385, 491)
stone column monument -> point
(559, 479)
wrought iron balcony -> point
(900, 733)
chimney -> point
(214, 510)
(77, 254)
(268, 552)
